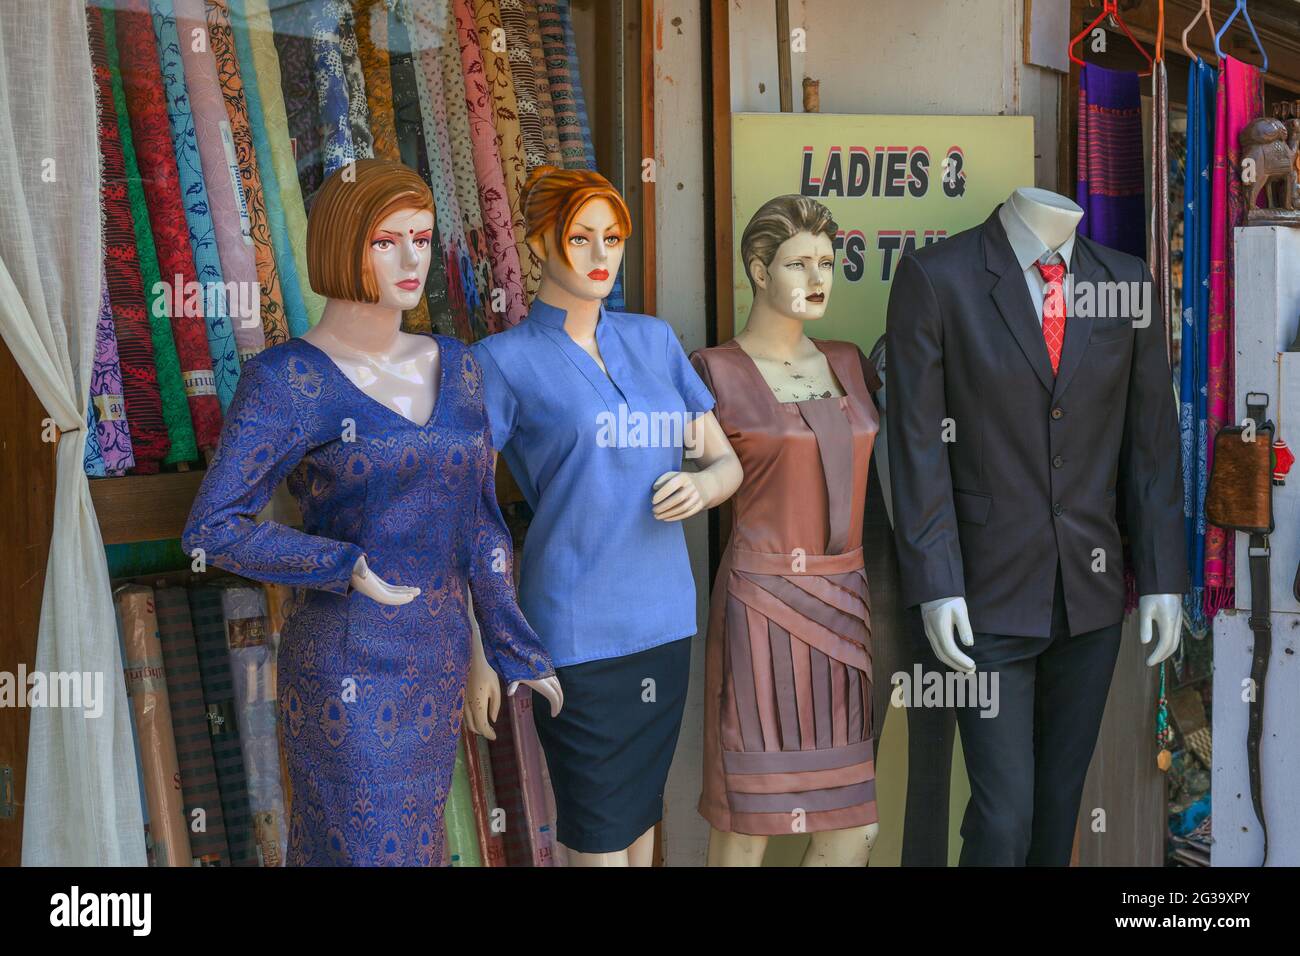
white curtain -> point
(82, 805)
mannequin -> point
(789, 630)
(605, 576)
(382, 437)
(1015, 428)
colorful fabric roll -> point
(266, 62)
(111, 431)
(1239, 100)
(430, 45)
(545, 103)
(140, 391)
(175, 407)
(1111, 160)
(223, 721)
(331, 87)
(509, 134)
(551, 18)
(277, 226)
(458, 817)
(151, 134)
(146, 685)
(508, 790)
(201, 794)
(252, 665)
(194, 196)
(292, 23)
(514, 20)
(372, 53)
(575, 83)
(221, 176)
(92, 460)
(1194, 364)
(363, 141)
(275, 324)
(506, 304)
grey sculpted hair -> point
(776, 221)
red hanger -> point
(1110, 8)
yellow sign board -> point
(893, 183)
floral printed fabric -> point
(110, 430)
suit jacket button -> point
(1057, 508)
(1058, 461)
(1057, 412)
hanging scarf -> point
(372, 53)
(221, 176)
(545, 102)
(266, 63)
(1110, 161)
(275, 324)
(506, 306)
(1240, 99)
(514, 20)
(151, 133)
(551, 19)
(509, 133)
(175, 408)
(410, 146)
(293, 42)
(575, 84)
(1194, 365)
(331, 87)
(363, 143)
(277, 225)
(111, 431)
(140, 391)
(425, 28)
(1159, 240)
(203, 241)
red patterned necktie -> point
(1053, 310)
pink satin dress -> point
(787, 694)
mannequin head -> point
(789, 253)
(370, 235)
(578, 226)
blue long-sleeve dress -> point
(370, 695)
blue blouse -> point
(600, 576)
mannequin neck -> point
(1050, 217)
(580, 313)
(358, 327)
(773, 332)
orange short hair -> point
(552, 198)
(347, 208)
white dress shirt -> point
(1030, 250)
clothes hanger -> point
(1241, 8)
(1110, 8)
(1203, 12)
(1160, 33)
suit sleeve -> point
(925, 522)
(1149, 465)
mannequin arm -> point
(680, 494)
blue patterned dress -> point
(370, 695)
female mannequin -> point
(787, 732)
(382, 437)
(592, 410)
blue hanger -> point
(1241, 8)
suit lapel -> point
(1012, 299)
(1078, 329)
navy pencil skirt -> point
(609, 750)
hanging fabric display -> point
(514, 20)
(506, 303)
(355, 84)
(545, 102)
(275, 325)
(1110, 159)
(175, 408)
(331, 87)
(112, 431)
(286, 266)
(573, 150)
(509, 134)
(221, 174)
(1159, 237)
(194, 193)
(1240, 99)
(140, 391)
(293, 41)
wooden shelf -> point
(156, 507)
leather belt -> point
(1261, 627)
(790, 562)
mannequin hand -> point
(482, 693)
(548, 687)
(942, 618)
(1166, 611)
(678, 495)
(376, 588)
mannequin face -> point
(595, 245)
(797, 282)
(401, 248)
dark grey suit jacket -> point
(1030, 481)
